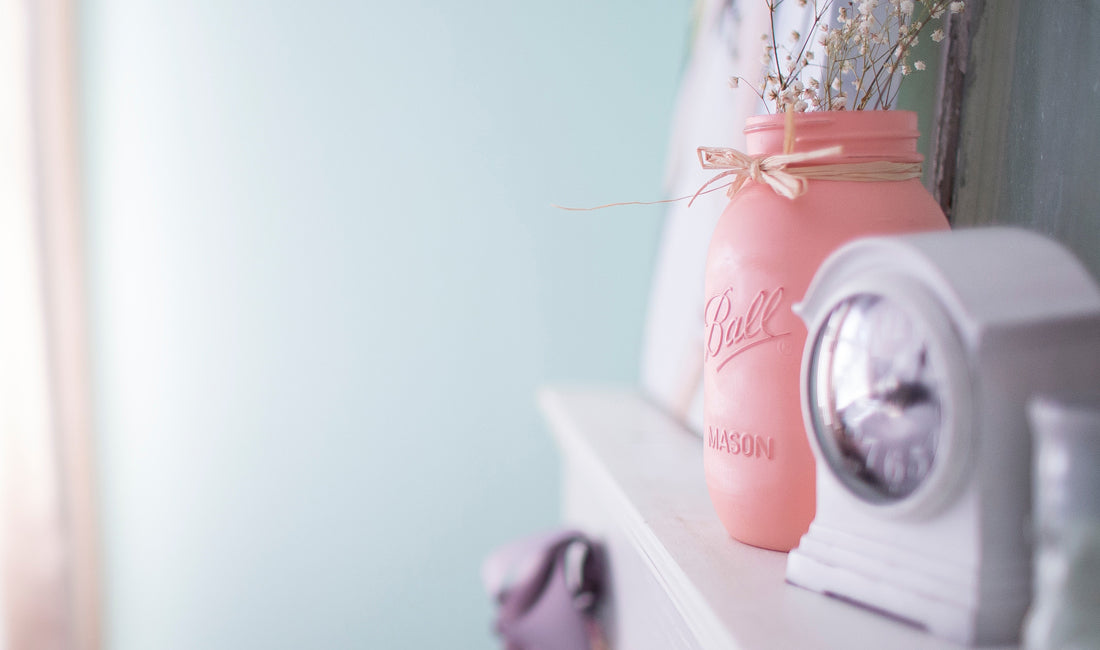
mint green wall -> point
(325, 282)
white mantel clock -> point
(922, 353)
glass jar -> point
(763, 253)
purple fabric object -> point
(547, 586)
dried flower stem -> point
(870, 43)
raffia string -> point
(776, 172)
(784, 172)
(788, 130)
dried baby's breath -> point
(867, 50)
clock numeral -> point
(870, 446)
(893, 468)
(920, 461)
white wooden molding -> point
(633, 478)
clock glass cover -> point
(876, 397)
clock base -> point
(956, 609)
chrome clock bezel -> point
(953, 448)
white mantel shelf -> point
(633, 478)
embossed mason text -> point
(740, 444)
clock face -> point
(875, 393)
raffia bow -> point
(771, 170)
(776, 172)
(784, 172)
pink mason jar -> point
(764, 251)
